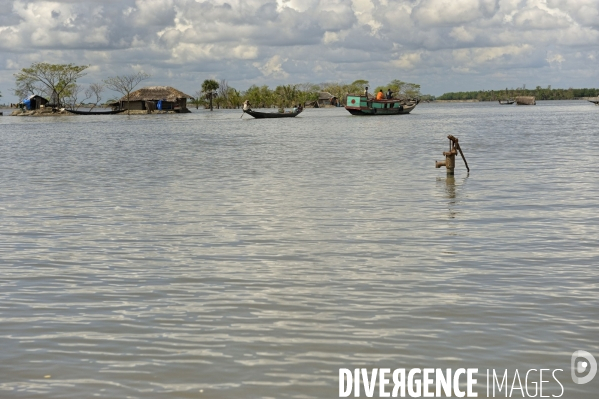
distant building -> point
(526, 100)
(34, 102)
(163, 98)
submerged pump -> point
(449, 162)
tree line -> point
(539, 92)
(221, 95)
(58, 83)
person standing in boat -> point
(366, 92)
(247, 105)
(389, 94)
(380, 95)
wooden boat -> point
(594, 100)
(506, 102)
(95, 112)
(361, 105)
(263, 115)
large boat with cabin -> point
(362, 105)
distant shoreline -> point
(492, 101)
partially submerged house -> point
(326, 99)
(526, 100)
(162, 98)
(34, 102)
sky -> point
(443, 45)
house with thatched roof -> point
(326, 99)
(161, 98)
(526, 100)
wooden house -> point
(34, 102)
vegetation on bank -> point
(221, 95)
(58, 84)
(539, 92)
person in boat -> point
(380, 95)
(389, 94)
(247, 105)
(366, 92)
(294, 108)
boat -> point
(508, 100)
(362, 105)
(594, 100)
(263, 115)
(95, 112)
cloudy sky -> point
(445, 45)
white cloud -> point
(273, 68)
(452, 12)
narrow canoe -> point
(262, 115)
(95, 112)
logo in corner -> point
(583, 362)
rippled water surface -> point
(208, 256)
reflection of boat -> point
(95, 112)
(361, 105)
(262, 115)
(506, 102)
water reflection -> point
(451, 192)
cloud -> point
(452, 12)
(273, 68)
(445, 45)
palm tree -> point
(209, 87)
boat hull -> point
(272, 115)
(72, 111)
(361, 106)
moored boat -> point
(361, 105)
(506, 102)
(263, 115)
(95, 112)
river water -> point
(209, 256)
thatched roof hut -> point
(155, 97)
(526, 100)
(326, 99)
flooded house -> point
(326, 99)
(34, 102)
(151, 98)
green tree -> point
(125, 84)
(209, 88)
(234, 97)
(357, 86)
(307, 92)
(199, 99)
(287, 95)
(53, 80)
